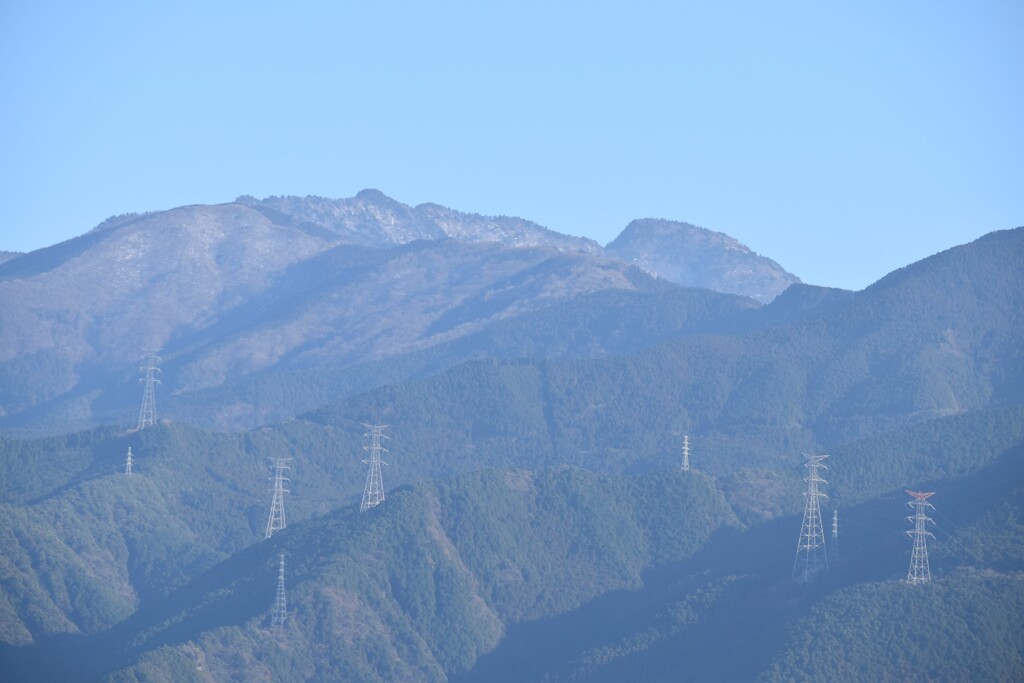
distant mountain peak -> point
(697, 257)
(374, 219)
(376, 196)
(661, 227)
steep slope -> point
(156, 530)
(94, 303)
(965, 628)
(697, 257)
(859, 621)
(85, 545)
(612, 321)
(234, 291)
(346, 306)
(149, 275)
(417, 588)
(569, 575)
(937, 339)
(917, 377)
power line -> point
(373, 494)
(919, 571)
(280, 612)
(810, 548)
(147, 412)
(275, 522)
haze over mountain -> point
(286, 284)
(696, 257)
(536, 525)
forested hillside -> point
(427, 582)
(537, 526)
(567, 575)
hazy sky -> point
(843, 140)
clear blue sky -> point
(841, 139)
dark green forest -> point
(537, 526)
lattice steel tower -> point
(686, 453)
(147, 413)
(373, 494)
(280, 612)
(835, 536)
(919, 571)
(128, 463)
(276, 520)
(810, 549)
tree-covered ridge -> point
(946, 448)
(196, 497)
(423, 585)
(969, 627)
(85, 545)
(432, 581)
(732, 612)
(578, 523)
(937, 339)
(610, 322)
(812, 370)
(678, 620)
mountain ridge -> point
(403, 279)
(520, 480)
(374, 219)
(687, 255)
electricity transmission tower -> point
(128, 463)
(810, 549)
(280, 601)
(276, 520)
(147, 413)
(686, 453)
(919, 571)
(373, 494)
(835, 536)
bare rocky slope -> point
(697, 257)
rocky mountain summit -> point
(372, 219)
(283, 285)
(697, 257)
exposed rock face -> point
(696, 257)
(373, 219)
